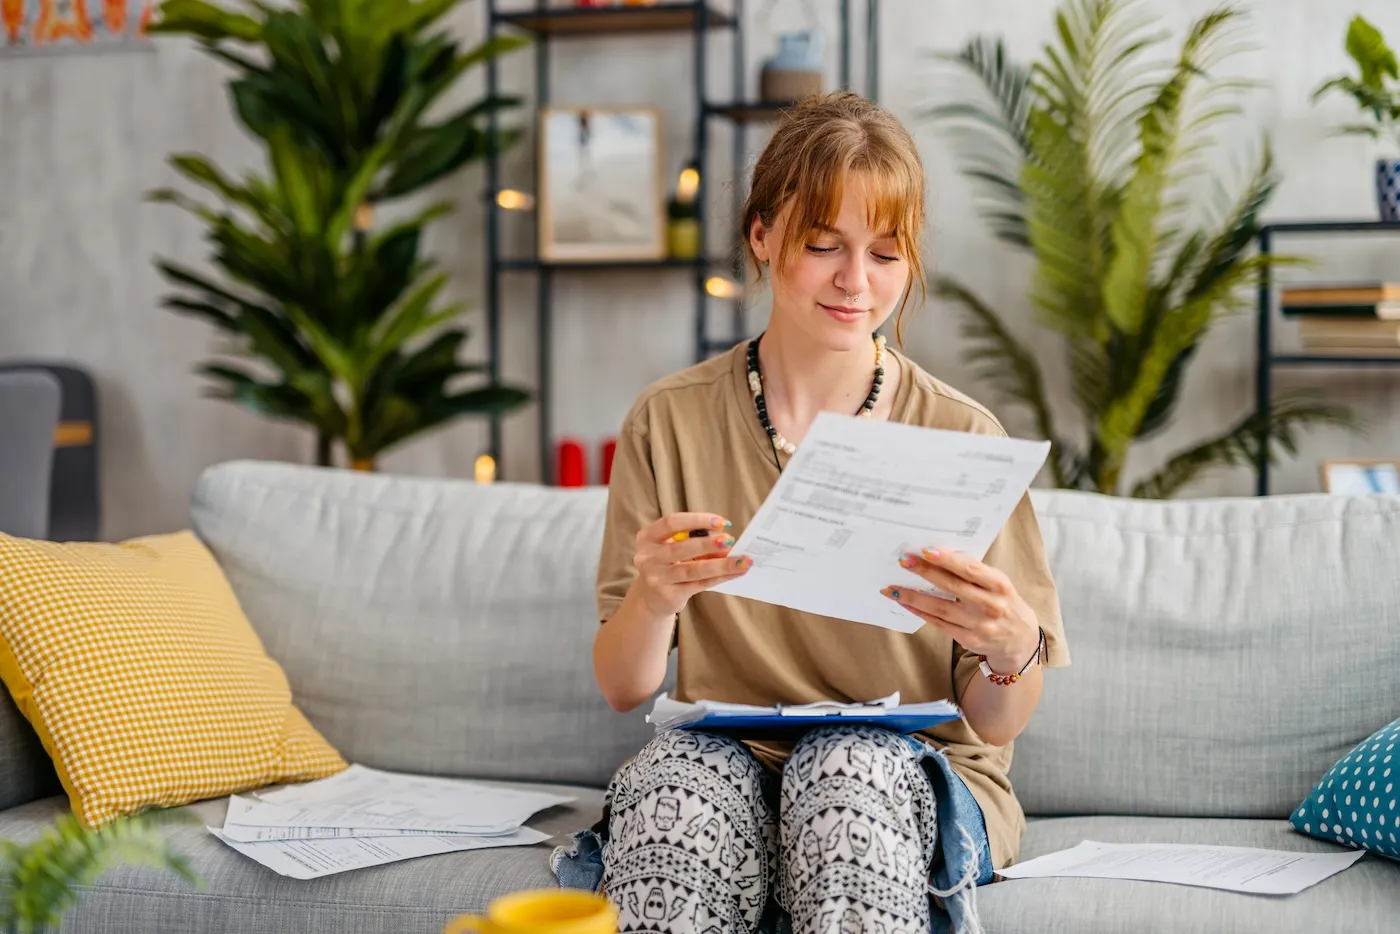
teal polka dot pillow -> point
(1358, 801)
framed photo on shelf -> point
(1359, 476)
(601, 192)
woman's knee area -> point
(881, 758)
(688, 744)
(676, 753)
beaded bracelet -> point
(992, 676)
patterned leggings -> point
(698, 841)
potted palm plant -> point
(342, 318)
(1083, 159)
(1376, 90)
(41, 881)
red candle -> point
(570, 467)
(609, 449)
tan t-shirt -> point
(692, 442)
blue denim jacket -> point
(962, 840)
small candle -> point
(570, 467)
(609, 449)
(485, 469)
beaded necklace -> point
(776, 441)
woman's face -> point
(844, 282)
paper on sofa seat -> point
(366, 817)
(365, 798)
(1233, 868)
(312, 859)
(858, 494)
(251, 821)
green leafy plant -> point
(1369, 88)
(43, 879)
(345, 322)
(1086, 159)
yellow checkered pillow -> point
(143, 678)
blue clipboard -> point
(769, 723)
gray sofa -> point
(1226, 653)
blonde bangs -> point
(818, 147)
(894, 203)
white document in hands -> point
(858, 494)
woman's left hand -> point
(989, 617)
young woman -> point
(848, 829)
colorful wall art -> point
(44, 25)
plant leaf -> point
(1083, 92)
(296, 180)
(199, 169)
(215, 315)
(1180, 328)
(993, 131)
(203, 20)
(1367, 47)
(1002, 361)
(43, 879)
(1135, 227)
(1239, 446)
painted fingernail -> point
(718, 523)
(930, 552)
(906, 561)
(891, 592)
(743, 563)
(726, 542)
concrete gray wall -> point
(83, 136)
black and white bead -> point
(756, 387)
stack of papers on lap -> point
(367, 817)
(668, 714)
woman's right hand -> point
(670, 572)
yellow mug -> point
(542, 911)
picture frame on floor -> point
(601, 191)
(1360, 476)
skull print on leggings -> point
(700, 840)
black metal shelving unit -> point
(1266, 359)
(698, 20)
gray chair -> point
(75, 502)
(30, 401)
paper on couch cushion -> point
(251, 821)
(1233, 868)
(366, 817)
(365, 798)
(312, 859)
(358, 780)
(859, 493)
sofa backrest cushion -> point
(26, 771)
(426, 625)
(1226, 652)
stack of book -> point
(1361, 319)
